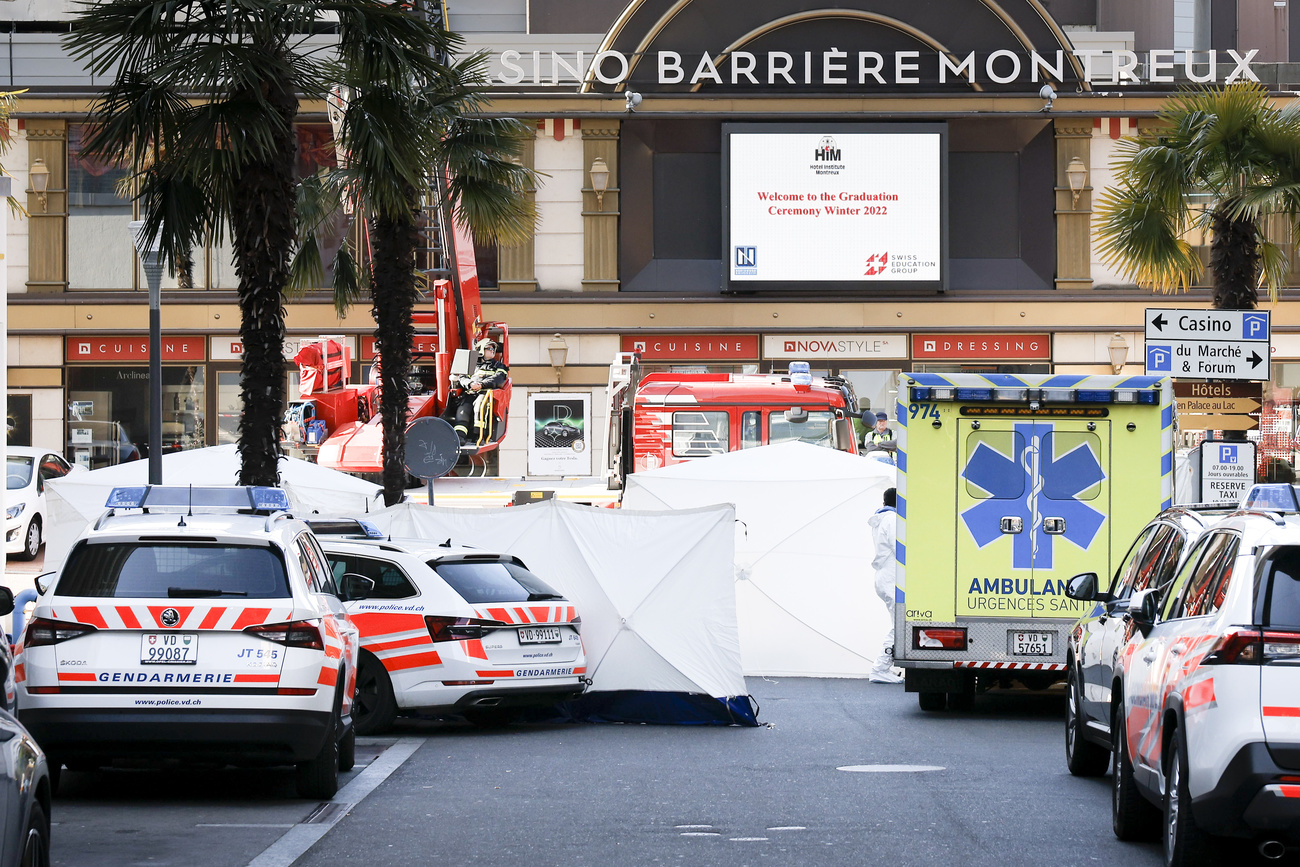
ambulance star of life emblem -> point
(1029, 484)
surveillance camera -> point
(633, 99)
(1046, 92)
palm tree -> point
(401, 144)
(202, 103)
(1224, 160)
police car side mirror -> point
(6, 601)
(42, 582)
(1082, 587)
(356, 586)
(1143, 607)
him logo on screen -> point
(876, 264)
(827, 150)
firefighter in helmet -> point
(468, 390)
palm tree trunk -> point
(394, 291)
(1234, 262)
(262, 225)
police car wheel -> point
(1132, 816)
(1186, 845)
(932, 701)
(31, 541)
(348, 750)
(319, 777)
(1082, 756)
(375, 707)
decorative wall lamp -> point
(1118, 350)
(39, 174)
(599, 182)
(558, 350)
(1077, 174)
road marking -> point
(243, 825)
(701, 834)
(890, 769)
(789, 828)
(748, 839)
(691, 827)
(299, 838)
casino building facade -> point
(868, 185)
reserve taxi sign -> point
(1227, 470)
(1209, 344)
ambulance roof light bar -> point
(1035, 395)
(256, 498)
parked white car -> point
(1210, 705)
(26, 472)
(455, 630)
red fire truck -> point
(658, 419)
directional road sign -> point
(1218, 422)
(1217, 404)
(1211, 344)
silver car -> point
(25, 788)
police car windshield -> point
(18, 472)
(493, 581)
(1280, 591)
(160, 571)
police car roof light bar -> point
(256, 498)
(1273, 498)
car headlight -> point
(15, 511)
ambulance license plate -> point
(539, 635)
(169, 648)
(1031, 644)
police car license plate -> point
(169, 648)
(539, 635)
(1031, 644)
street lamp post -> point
(150, 251)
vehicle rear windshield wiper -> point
(201, 592)
(541, 597)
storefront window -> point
(108, 413)
(98, 215)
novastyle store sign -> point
(836, 67)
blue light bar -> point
(126, 498)
(974, 394)
(372, 532)
(260, 499)
(269, 499)
(1093, 396)
(920, 394)
(1146, 397)
(1280, 498)
(800, 367)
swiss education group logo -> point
(876, 264)
(746, 262)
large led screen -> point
(838, 204)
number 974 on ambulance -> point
(193, 624)
(1008, 486)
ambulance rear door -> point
(1033, 497)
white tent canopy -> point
(654, 589)
(78, 499)
(804, 596)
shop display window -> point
(108, 413)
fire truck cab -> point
(664, 418)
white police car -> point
(201, 624)
(455, 630)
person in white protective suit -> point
(884, 529)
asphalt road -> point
(996, 792)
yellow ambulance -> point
(1009, 485)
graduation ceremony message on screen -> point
(842, 207)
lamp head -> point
(633, 99)
(1046, 93)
